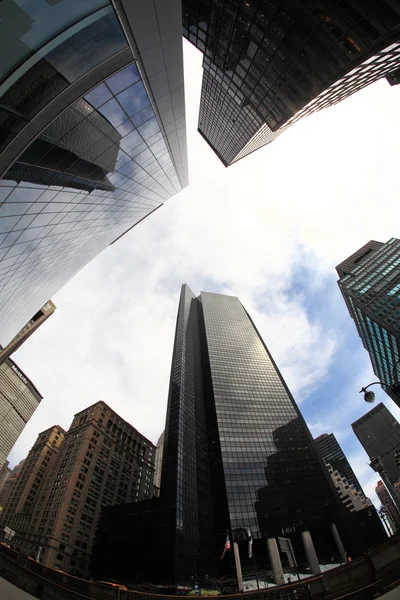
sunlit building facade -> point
(19, 399)
(92, 136)
(332, 454)
(267, 64)
(370, 284)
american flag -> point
(227, 546)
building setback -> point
(19, 399)
(349, 496)
(332, 454)
(238, 456)
(370, 284)
(379, 433)
(268, 64)
(92, 140)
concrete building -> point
(103, 460)
(93, 137)
(19, 399)
(66, 480)
(369, 281)
(37, 320)
(158, 463)
(349, 496)
(22, 493)
(379, 433)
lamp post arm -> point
(374, 383)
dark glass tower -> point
(267, 64)
(92, 136)
(370, 284)
(379, 433)
(332, 454)
(237, 457)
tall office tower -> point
(370, 283)
(158, 463)
(40, 317)
(349, 496)
(19, 399)
(103, 460)
(332, 454)
(92, 136)
(389, 507)
(21, 498)
(238, 456)
(4, 474)
(268, 64)
(379, 433)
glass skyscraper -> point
(92, 136)
(379, 433)
(370, 284)
(267, 64)
(238, 457)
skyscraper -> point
(238, 456)
(92, 137)
(332, 454)
(379, 433)
(268, 64)
(19, 399)
(370, 284)
(349, 496)
(36, 321)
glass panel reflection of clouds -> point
(98, 169)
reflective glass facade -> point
(92, 141)
(266, 62)
(370, 284)
(379, 433)
(237, 452)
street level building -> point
(389, 508)
(36, 321)
(379, 433)
(23, 493)
(370, 284)
(348, 494)
(238, 457)
(19, 399)
(269, 64)
(92, 137)
(332, 454)
(102, 461)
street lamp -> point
(395, 387)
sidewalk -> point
(392, 595)
(8, 591)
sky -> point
(269, 229)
